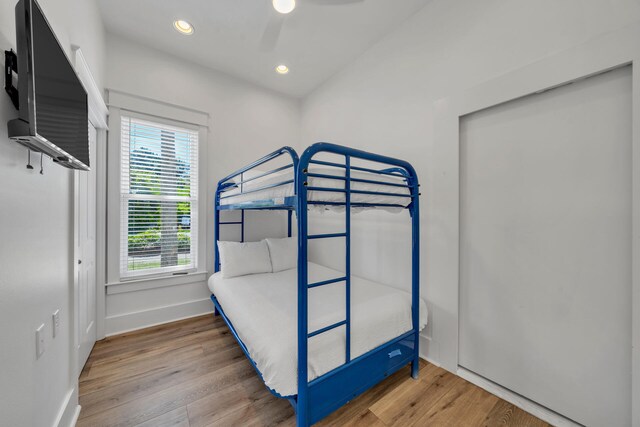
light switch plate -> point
(39, 341)
(55, 320)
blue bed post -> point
(302, 405)
(347, 201)
(216, 237)
(414, 211)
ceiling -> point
(316, 40)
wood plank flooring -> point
(192, 373)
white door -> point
(86, 223)
(545, 247)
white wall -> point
(36, 245)
(246, 122)
(384, 101)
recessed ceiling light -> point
(183, 27)
(282, 69)
(284, 6)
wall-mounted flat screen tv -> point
(53, 117)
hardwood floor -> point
(192, 373)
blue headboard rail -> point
(228, 183)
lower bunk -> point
(261, 312)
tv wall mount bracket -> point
(11, 67)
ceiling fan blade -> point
(272, 32)
(334, 2)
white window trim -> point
(130, 105)
(195, 226)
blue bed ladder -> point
(302, 409)
(347, 277)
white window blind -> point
(159, 198)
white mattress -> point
(325, 196)
(263, 310)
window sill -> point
(141, 284)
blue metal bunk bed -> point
(323, 395)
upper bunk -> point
(334, 177)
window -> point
(158, 197)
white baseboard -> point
(521, 402)
(142, 319)
(74, 421)
(428, 348)
(69, 411)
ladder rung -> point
(327, 282)
(229, 223)
(327, 328)
(326, 236)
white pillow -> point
(239, 259)
(284, 253)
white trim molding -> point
(139, 107)
(127, 322)
(161, 109)
(70, 410)
(601, 54)
(98, 117)
(98, 111)
(144, 283)
(521, 402)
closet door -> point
(545, 247)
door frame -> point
(601, 54)
(98, 114)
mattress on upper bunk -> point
(398, 194)
(263, 309)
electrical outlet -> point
(39, 341)
(56, 322)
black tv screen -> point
(60, 99)
(53, 102)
